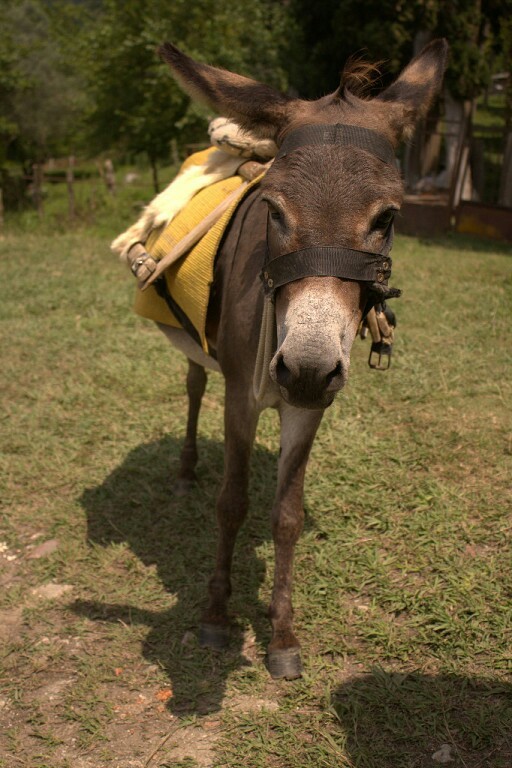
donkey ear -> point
(256, 107)
(412, 94)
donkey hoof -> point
(284, 663)
(214, 636)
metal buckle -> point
(136, 264)
(143, 267)
(383, 351)
(141, 262)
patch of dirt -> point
(246, 703)
(11, 623)
(250, 649)
(8, 566)
(43, 550)
(51, 591)
(53, 713)
(192, 742)
(52, 692)
(140, 725)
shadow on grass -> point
(136, 504)
(402, 720)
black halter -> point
(332, 260)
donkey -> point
(317, 231)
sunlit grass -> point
(403, 583)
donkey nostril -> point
(305, 379)
(336, 373)
(283, 374)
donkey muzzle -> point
(307, 381)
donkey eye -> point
(275, 213)
(384, 220)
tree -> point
(137, 105)
(385, 30)
(39, 96)
(9, 83)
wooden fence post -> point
(109, 176)
(70, 178)
(460, 178)
(461, 164)
(37, 181)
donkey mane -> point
(359, 77)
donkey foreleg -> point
(298, 429)
(240, 420)
(196, 385)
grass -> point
(403, 583)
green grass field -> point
(403, 575)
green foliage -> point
(138, 106)
(10, 80)
(506, 53)
(40, 95)
(132, 99)
(462, 22)
(389, 29)
(84, 77)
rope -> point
(266, 345)
(193, 237)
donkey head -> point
(321, 196)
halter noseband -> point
(332, 260)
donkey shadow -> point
(416, 720)
(177, 534)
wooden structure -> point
(458, 176)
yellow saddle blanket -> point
(189, 279)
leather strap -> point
(374, 269)
(193, 237)
(342, 135)
(326, 261)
